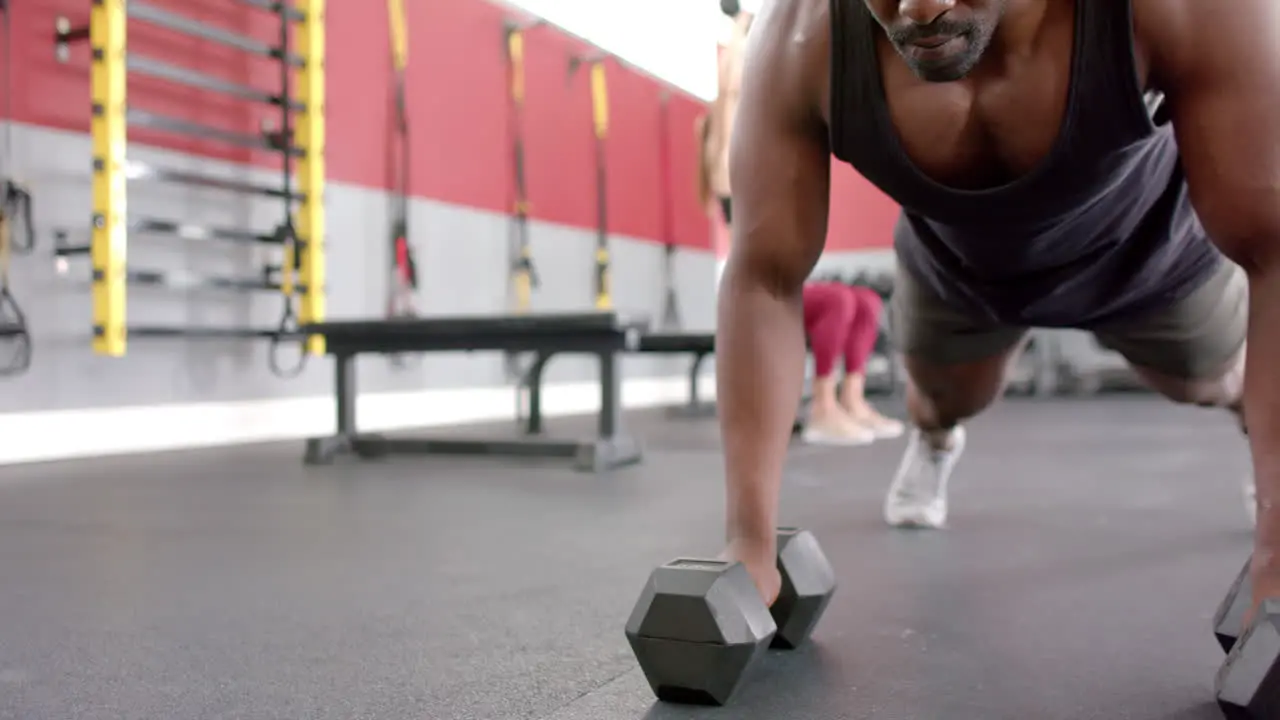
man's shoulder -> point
(791, 39)
(1169, 34)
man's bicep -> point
(1226, 98)
(779, 169)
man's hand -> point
(761, 559)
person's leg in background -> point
(828, 315)
(956, 367)
(864, 328)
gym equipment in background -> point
(522, 274)
(700, 624)
(604, 335)
(15, 333)
(671, 319)
(597, 70)
(299, 51)
(15, 210)
(403, 281)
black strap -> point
(287, 330)
(522, 272)
(15, 206)
(404, 266)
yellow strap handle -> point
(515, 48)
(604, 294)
(399, 34)
(600, 99)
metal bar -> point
(344, 390)
(193, 281)
(145, 118)
(193, 28)
(186, 231)
(311, 166)
(173, 73)
(109, 238)
(373, 445)
(610, 396)
(135, 170)
(534, 382)
(210, 333)
(275, 8)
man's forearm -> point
(760, 354)
(1262, 416)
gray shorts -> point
(1195, 338)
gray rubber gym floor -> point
(1090, 543)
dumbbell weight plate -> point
(697, 628)
(1248, 684)
(1228, 621)
(808, 582)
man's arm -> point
(1219, 65)
(780, 168)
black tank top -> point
(1102, 227)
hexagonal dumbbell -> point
(700, 625)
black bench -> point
(605, 335)
(700, 345)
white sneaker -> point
(918, 496)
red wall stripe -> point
(457, 98)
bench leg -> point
(612, 448)
(533, 385)
(345, 441)
(694, 408)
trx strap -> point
(291, 266)
(671, 302)
(600, 116)
(404, 268)
(15, 206)
(522, 272)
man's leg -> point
(956, 367)
(1193, 350)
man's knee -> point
(945, 395)
(1223, 388)
(1191, 351)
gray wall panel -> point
(462, 255)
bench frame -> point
(700, 346)
(610, 449)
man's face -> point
(940, 40)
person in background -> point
(841, 321)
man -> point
(1039, 188)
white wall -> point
(674, 40)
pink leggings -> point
(841, 320)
